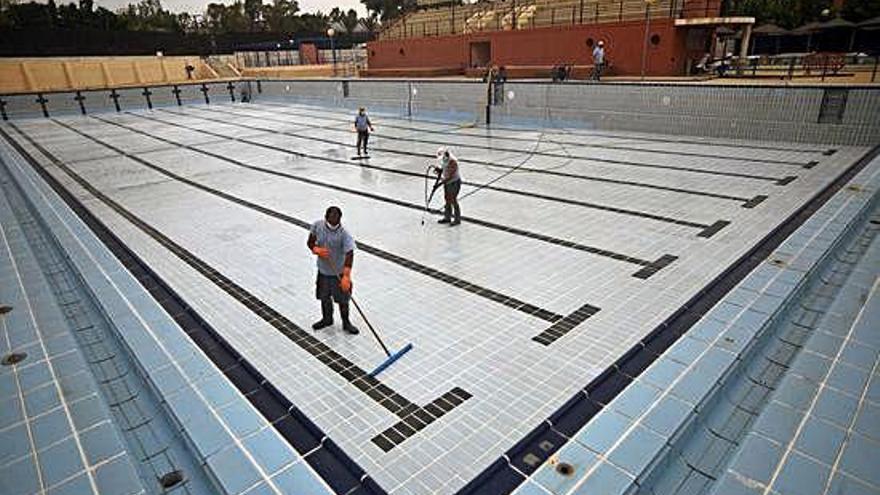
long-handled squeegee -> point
(391, 357)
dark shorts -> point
(363, 137)
(452, 188)
(327, 286)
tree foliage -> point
(274, 16)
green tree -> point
(389, 9)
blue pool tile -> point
(242, 418)
(79, 485)
(298, 478)
(801, 476)
(859, 459)
(668, 416)
(663, 372)
(34, 376)
(824, 344)
(635, 399)
(69, 364)
(686, 350)
(778, 422)
(848, 379)
(87, 412)
(50, 428)
(60, 461)
(706, 330)
(41, 400)
(607, 480)
(10, 413)
(868, 421)
(270, 450)
(208, 435)
(233, 470)
(820, 439)
(731, 484)
(530, 488)
(603, 430)
(117, 477)
(858, 355)
(8, 385)
(795, 392)
(217, 391)
(811, 366)
(757, 458)
(14, 443)
(843, 484)
(261, 489)
(637, 451)
(101, 443)
(579, 458)
(20, 477)
(835, 407)
(76, 386)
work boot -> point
(322, 323)
(346, 323)
(447, 214)
(456, 215)
(326, 315)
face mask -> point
(332, 227)
(444, 160)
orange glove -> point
(345, 282)
(322, 252)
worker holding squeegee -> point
(334, 247)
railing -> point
(509, 15)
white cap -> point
(601, 43)
(442, 151)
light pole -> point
(331, 33)
(648, 4)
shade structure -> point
(769, 30)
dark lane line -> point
(706, 230)
(484, 292)
(746, 202)
(560, 142)
(711, 229)
(779, 181)
(826, 152)
(336, 467)
(381, 393)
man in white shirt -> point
(451, 179)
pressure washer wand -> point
(428, 197)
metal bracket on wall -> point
(80, 99)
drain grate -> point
(13, 358)
(565, 469)
(171, 479)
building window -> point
(590, 42)
(655, 39)
(400, 51)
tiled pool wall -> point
(842, 115)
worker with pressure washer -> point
(449, 175)
(334, 247)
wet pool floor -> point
(575, 244)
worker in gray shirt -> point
(334, 247)
(364, 127)
(598, 60)
(447, 169)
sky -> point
(198, 6)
